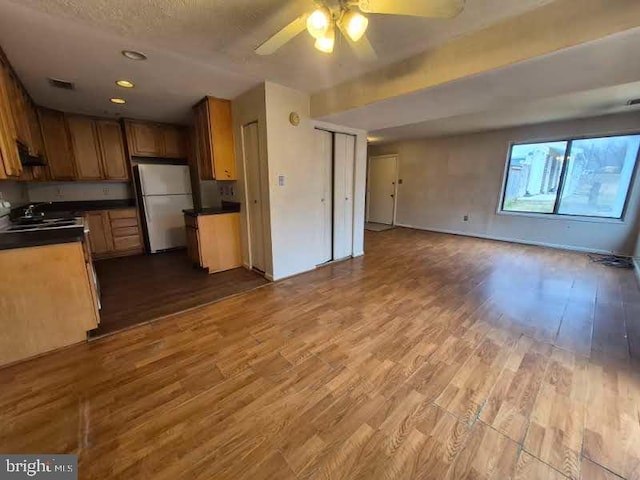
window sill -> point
(571, 218)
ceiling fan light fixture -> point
(319, 22)
(355, 24)
(326, 43)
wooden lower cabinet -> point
(114, 233)
(213, 241)
(57, 309)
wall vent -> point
(54, 82)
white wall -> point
(78, 191)
(295, 206)
(449, 177)
(293, 210)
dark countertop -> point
(36, 238)
(226, 207)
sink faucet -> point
(30, 210)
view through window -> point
(587, 177)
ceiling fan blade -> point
(416, 8)
(362, 48)
(283, 36)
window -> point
(587, 177)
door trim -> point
(395, 189)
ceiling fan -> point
(347, 16)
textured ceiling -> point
(198, 47)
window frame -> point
(567, 216)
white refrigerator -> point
(165, 190)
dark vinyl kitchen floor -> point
(141, 288)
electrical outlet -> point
(465, 218)
(59, 192)
(105, 191)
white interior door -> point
(324, 157)
(383, 172)
(344, 161)
(253, 172)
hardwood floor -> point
(137, 289)
(431, 357)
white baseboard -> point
(513, 240)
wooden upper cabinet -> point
(10, 165)
(214, 139)
(114, 161)
(98, 148)
(155, 140)
(173, 142)
(144, 139)
(57, 144)
(86, 152)
(36, 148)
(18, 104)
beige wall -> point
(449, 177)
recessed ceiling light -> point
(125, 84)
(133, 55)
(119, 101)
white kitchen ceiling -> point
(197, 47)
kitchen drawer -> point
(124, 222)
(127, 243)
(123, 213)
(125, 231)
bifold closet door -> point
(251, 152)
(344, 161)
(324, 152)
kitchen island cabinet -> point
(48, 300)
(213, 240)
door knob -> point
(391, 195)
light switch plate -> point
(281, 180)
